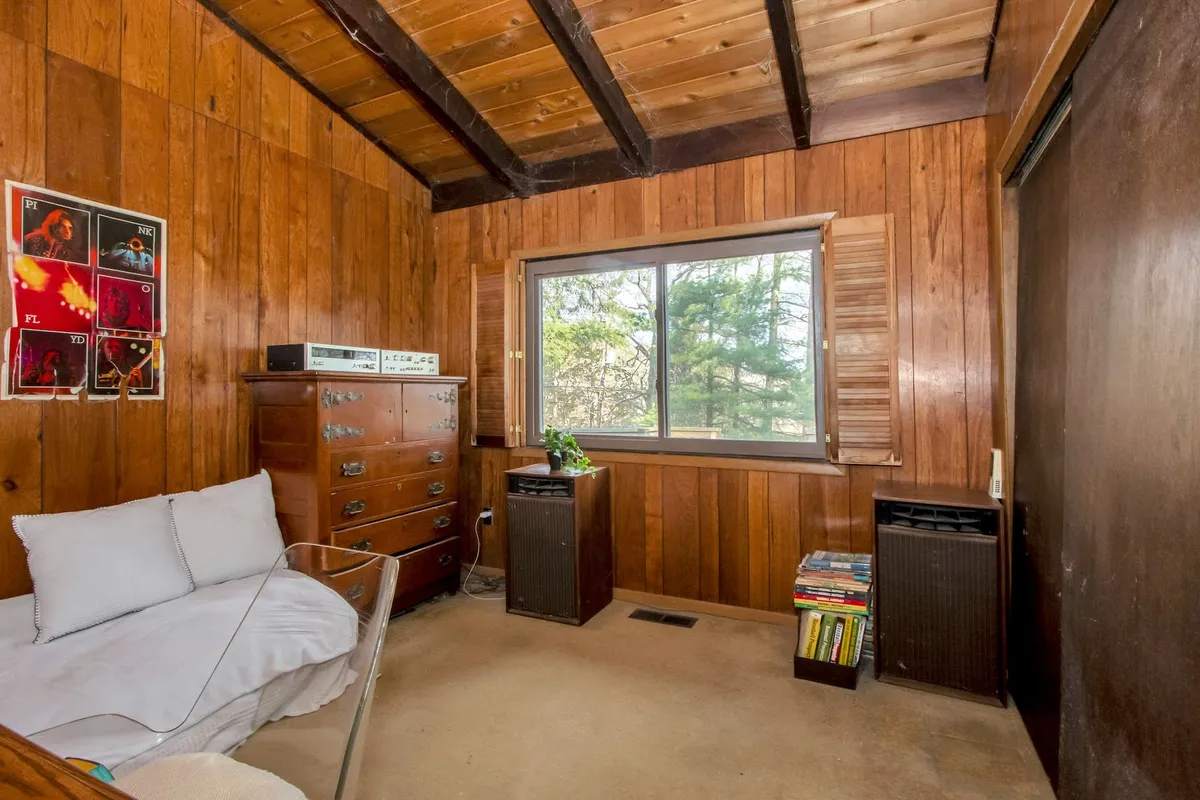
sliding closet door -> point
(1131, 542)
(1035, 623)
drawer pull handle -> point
(354, 507)
(332, 398)
(355, 592)
(331, 432)
(436, 488)
(444, 559)
(352, 469)
(442, 522)
(362, 545)
(436, 456)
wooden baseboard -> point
(666, 602)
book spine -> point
(848, 660)
(839, 632)
(824, 598)
(826, 638)
(862, 629)
(813, 633)
(829, 607)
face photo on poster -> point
(127, 244)
(50, 229)
(124, 305)
(50, 360)
(51, 295)
(119, 357)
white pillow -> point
(228, 531)
(91, 566)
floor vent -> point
(678, 620)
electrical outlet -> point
(486, 516)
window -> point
(740, 372)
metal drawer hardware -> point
(448, 424)
(450, 397)
(362, 545)
(436, 488)
(436, 457)
(354, 507)
(332, 398)
(356, 591)
(331, 432)
(444, 559)
(352, 469)
(442, 522)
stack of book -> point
(834, 590)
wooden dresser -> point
(368, 463)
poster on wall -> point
(88, 284)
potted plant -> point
(564, 453)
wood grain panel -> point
(629, 526)
(141, 425)
(977, 304)
(88, 33)
(783, 519)
(734, 549)
(654, 529)
(241, 211)
(22, 158)
(681, 532)
(937, 296)
(79, 439)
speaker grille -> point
(541, 542)
(936, 606)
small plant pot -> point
(555, 461)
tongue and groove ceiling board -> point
(682, 66)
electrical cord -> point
(491, 585)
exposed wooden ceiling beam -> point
(902, 109)
(570, 33)
(394, 50)
(681, 151)
(225, 17)
(791, 69)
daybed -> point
(201, 671)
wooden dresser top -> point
(308, 375)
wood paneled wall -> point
(284, 225)
(704, 530)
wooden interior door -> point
(1035, 621)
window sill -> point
(794, 466)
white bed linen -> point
(151, 666)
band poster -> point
(88, 286)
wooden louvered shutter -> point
(862, 414)
(495, 354)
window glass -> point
(600, 352)
(740, 359)
(740, 372)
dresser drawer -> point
(434, 562)
(378, 500)
(392, 535)
(430, 411)
(353, 414)
(357, 586)
(370, 464)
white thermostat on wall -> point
(403, 362)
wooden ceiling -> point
(486, 98)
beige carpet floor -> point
(476, 703)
